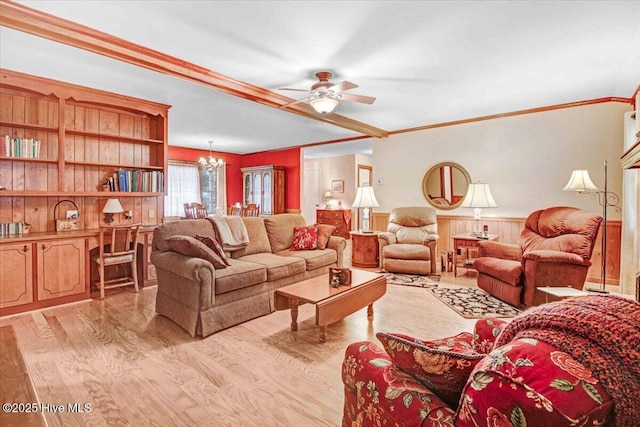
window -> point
(187, 183)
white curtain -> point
(183, 185)
(221, 196)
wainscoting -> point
(509, 230)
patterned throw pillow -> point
(190, 246)
(305, 238)
(324, 232)
(528, 382)
(215, 247)
(442, 365)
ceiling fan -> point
(325, 96)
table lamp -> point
(112, 206)
(478, 196)
(365, 199)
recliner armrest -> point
(499, 250)
(430, 238)
(556, 257)
(386, 238)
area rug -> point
(473, 303)
(412, 280)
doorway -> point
(365, 179)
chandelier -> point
(212, 163)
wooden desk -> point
(465, 249)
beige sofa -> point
(204, 300)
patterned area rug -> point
(473, 303)
(412, 280)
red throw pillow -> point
(190, 246)
(305, 238)
(215, 247)
(443, 365)
(324, 233)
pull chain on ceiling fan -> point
(325, 96)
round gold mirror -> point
(445, 185)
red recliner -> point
(554, 249)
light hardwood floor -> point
(137, 368)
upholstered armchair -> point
(554, 249)
(409, 244)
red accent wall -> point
(289, 158)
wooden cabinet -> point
(264, 186)
(61, 268)
(68, 141)
(340, 218)
(364, 249)
(16, 274)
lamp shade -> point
(327, 195)
(324, 104)
(112, 206)
(580, 182)
(479, 196)
(365, 198)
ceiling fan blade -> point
(342, 86)
(294, 102)
(290, 88)
(357, 98)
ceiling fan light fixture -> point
(324, 104)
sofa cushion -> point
(442, 365)
(187, 227)
(305, 238)
(258, 239)
(190, 246)
(537, 385)
(280, 230)
(485, 333)
(324, 234)
(406, 251)
(315, 258)
(239, 274)
(278, 267)
(215, 246)
(506, 270)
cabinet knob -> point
(43, 247)
(25, 248)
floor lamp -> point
(581, 182)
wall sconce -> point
(112, 206)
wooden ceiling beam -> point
(37, 23)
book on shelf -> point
(137, 180)
(26, 148)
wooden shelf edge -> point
(27, 159)
(31, 126)
(109, 136)
(11, 193)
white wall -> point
(527, 159)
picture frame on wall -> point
(337, 186)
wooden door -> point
(61, 268)
(16, 275)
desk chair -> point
(118, 245)
(251, 210)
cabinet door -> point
(61, 268)
(267, 194)
(16, 275)
(248, 188)
(257, 188)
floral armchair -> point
(501, 375)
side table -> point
(560, 292)
(465, 248)
(364, 249)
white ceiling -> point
(425, 62)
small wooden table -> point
(464, 249)
(364, 249)
(332, 304)
(561, 292)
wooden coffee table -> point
(332, 304)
